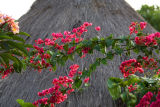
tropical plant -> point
(151, 14)
(49, 53)
(12, 46)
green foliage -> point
(77, 82)
(12, 47)
(108, 47)
(24, 104)
(151, 14)
(115, 85)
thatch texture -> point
(47, 16)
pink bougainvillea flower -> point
(98, 28)
(86, 80)
(143, 25)
(132, 88)
(145, 101)
(74, 67)
(52, 105)
(80, 72)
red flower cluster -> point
(58, 41)
(68, 37)
(129, 67)
(134, 27)
(4, 71)
(86, 80)
(70, 50)
(40, 62)
(85, 51)
(145, 101)
(149, 63)
(150, 40)
(158, 71)
(157, 102)
(56, 93)
(62, 87)
(73, 70)
(143, 25)
(98, 28)
(132, 88)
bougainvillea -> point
(56, 50)
(129, 67)
(157, 102)
(132, 87)
(6, 70)
(59, 41)
(62, 87)
(145, 101)
(150, 40)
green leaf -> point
(86, 73)
(37, 58)
(132, 43)
(23, 33)
(97, 47)
(149, 80)
(66, 47)
(93, 67)
(50, 52)
(24, 104)
(5, 46)
(118, 50)
(113, 82)
(104, 61)
(54, 68)
(28, 45)
(18, 46)
(71, 57)
(95, 39)
(124, 96)
(5, 59)
(24, 65)
(97, 62)
(20, 101)
(114, 44)
(114, 87)
(15, 37)
(131, 80)
(103, 50)
(109, 42)
(16, 52)
(17, 64)
(115, 92)
(63, 60)
(132, 100)
(4, 36)
(110, 55)
(87, 43)
(78, 82)
(123, 38)
(157, 51)
(2, 62)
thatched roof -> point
(47, 16)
